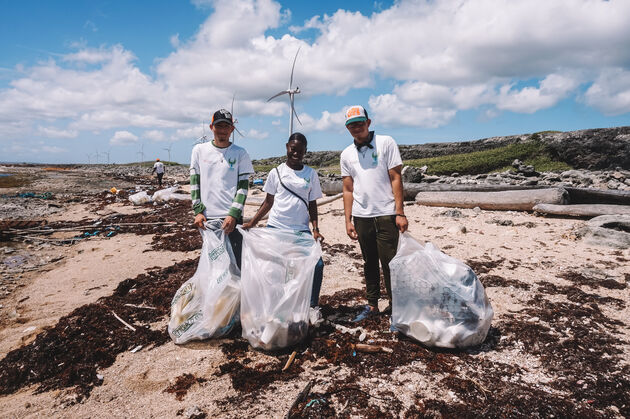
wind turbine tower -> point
(291, 92)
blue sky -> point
(121, 77)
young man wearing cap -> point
(372, 201)
(219, 180)
(158, 168)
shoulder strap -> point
(289, 190)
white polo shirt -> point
(369, 169)
(288, 211)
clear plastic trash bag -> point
(169, 194)
(207, 305)
(437, 299)
(277, 280)
(140, 198)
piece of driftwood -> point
(301, 396)
(582, 210)
(362, 347)
(289, 361)
(598, 196)
(127, 325)
(521, 200)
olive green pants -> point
(378, 238)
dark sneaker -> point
(368, 311)
(388, 309)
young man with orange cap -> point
(373, 202)
(219, 180)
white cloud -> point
(52, 132)
(155, 135)
(53, 149)
(123, 138)
(439, 56)
(610, 92)
(255, 134)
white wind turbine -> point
(234, 120)
(291, 92)
(203, 138)
(169, 151)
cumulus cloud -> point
(123, 138)
(610, 92)
(435, 57)
(155, 135)
(52, 132)
(255, 134)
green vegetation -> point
(533, 153)
(264, 167)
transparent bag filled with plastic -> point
(277, 280)
(207, 305)
(436, 299)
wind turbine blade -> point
(295, 113)
(278, 94)
(293, 68)
(239, 133)
(232, 107)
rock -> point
(607, 230)
(454, 213)
(412, 174)
(194, 412)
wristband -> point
(401, 215)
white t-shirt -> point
(159, 167)
(288, 211)
(219, 170)
(369, 169)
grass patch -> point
(264, 167)
(15, 180)
(532, 152)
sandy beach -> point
(559, 343)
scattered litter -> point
(136, 349)
(140, 198)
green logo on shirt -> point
(374, 158)
(231, 163)
(307, 182)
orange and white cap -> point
(356, 113)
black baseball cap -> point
(222, 115)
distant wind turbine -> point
(291, 92)
(141, 153)
(169, 151)
(235, 121)
(203, 138)
(89, 156)
(106, 153)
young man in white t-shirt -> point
(372, 201)
(219, 180)
(292, 190)
(158, 168)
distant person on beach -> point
(158, 168)
(292, 190)
(373, 202)
(219, 180)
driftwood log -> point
(521, 200)
(598, 196)
(582, 210)
(332, 187)
(321, 201)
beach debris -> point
(519, 200)
(437, 299)
(298, 399)
(289, 361)
(127, 325)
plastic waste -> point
(277, 279)
(140, 198)
(168, 194)
(437, 299)
(207, 305)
